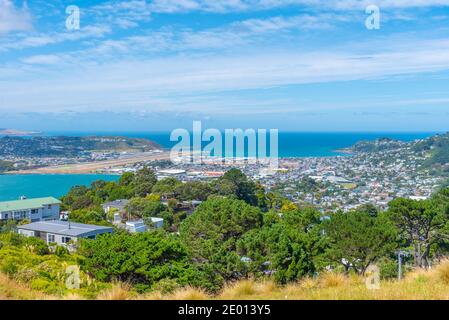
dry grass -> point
(12, 290)
(418, 285)
(118, 291)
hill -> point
(71, 146)
(417, 285)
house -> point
(61, 232)
(136, 226)
(157, 222)
(140, 225)
(117, 205)
(32, 209)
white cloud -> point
(222, 6)
(49, 59)
(158, 84)
(12, 18)
(43, 39)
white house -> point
(61, 232)
(136, 226)
(32, 209)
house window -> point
(6, 216)
(50, 238)
(66, 240)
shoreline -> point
(91, 167)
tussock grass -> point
(420, 284)
(12, 290)
(118, 291)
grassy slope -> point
(433, 284)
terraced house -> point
(37, 209)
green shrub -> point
(61, 251)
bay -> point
(291, 144)
(12, 187)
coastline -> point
(92, 167)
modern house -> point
(136, 226)
(62, 232)
(32, 209)
(141, 226)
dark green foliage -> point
(211, 234)
(143, 259)
(289, 245)
(166, 187)
(144, 182)
(422, 224)
(235, 183)
(89, 216)
(358, 238)
(193, 190)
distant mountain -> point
(381, 144)
(71, 146)
(437, 147)
(15, 132)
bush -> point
(36, 245)
(388, 269)
(61, 251)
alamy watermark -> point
(373, 20)
(72, 280)
(372, 277)
(249, 145)
(73, 19)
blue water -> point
(291, 144)
(35, 186)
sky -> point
(292, 65)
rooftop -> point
(116, 203)
(27, 204)
(64, 228)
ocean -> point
(291, 144)
(12, 187)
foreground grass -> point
(418, 285)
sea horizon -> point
(292, 144)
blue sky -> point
(297, 65)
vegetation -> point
(239, 234)
(417, 285)
(6, 166)
(70, 146)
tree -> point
(142, 207)
(126, 179)
(88, 216)
(193, 190)
(289, 245)
(212, 231)
(357, 239)
(235, 183)
(143, 182)
(141, 259)
(422, 224)
(166, 186)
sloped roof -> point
(27, 204)
(65, 228)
